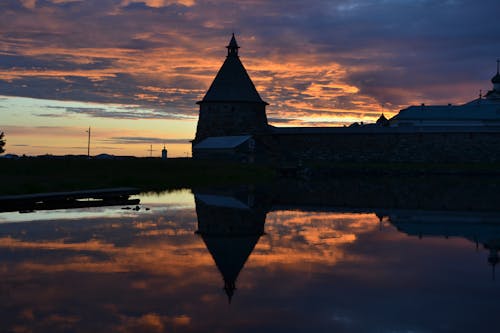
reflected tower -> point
(493, 246)
(230, 229)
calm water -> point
(233, 261)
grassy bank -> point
(34, 175)
(45, 175)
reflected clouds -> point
(305, 268)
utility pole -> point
(88, 144)
(150, 151)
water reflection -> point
(479, 228)
(286, 260)
(230, 230)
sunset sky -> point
(133, 70)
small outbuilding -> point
(238, 148)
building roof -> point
(485, 111)
(222, 142)
(221, 201)
(382, 121)
(475, 226)
(232, 83)
(376, 129)
(478, 109)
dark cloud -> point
(51, 115)
(139, 44)
(172, 104)
(275, 120)
(123, 112)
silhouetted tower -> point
(496, 79)
(232, 105)
(495, 92)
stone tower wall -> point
(230, 118)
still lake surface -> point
(237, 261)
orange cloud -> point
(151, 322)
(29, 3)
(161, 3)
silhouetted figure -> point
(164, 153)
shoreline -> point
(36, 175)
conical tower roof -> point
(232, 83)
(382, 120)
(230, 255)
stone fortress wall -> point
(446, 147)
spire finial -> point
(232, 48)
(498, 62)
(229, 288)
(493, 260)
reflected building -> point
(230, 229)
(479, 228)
(231, 222)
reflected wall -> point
(285, 266)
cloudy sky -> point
(133, 70)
